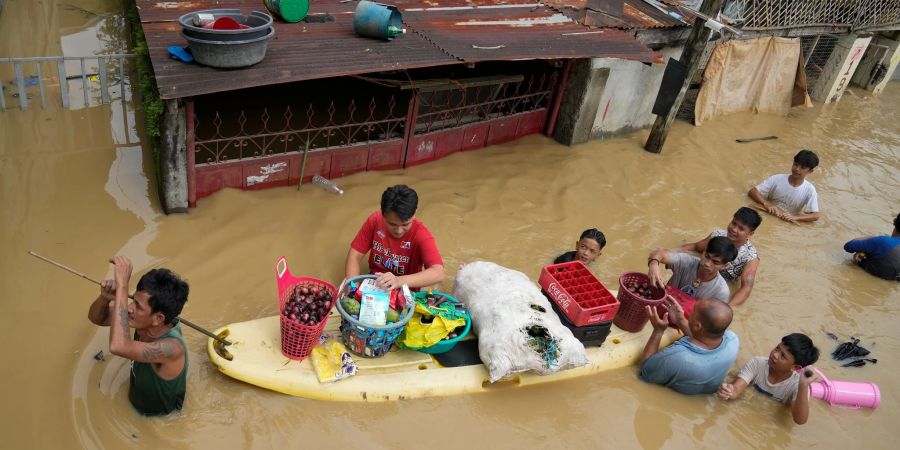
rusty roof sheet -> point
(526, 31)
(637, 14)
(439, 33)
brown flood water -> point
(75, 190)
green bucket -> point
(289, 10)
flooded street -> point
(76, 188)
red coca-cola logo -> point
(559, 294)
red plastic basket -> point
(297, 340)
(686, 301)
(632, 316)
(578, 293)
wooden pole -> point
(690, 57)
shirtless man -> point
(158, 353)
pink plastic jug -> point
(846, 393)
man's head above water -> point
(398, 207)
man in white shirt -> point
(790, 197)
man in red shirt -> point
(401, 250)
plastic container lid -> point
(289, 10)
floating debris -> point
(99, 356)
(850, 349)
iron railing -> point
(457, 106)
(108, 71)
(779, 14)
(233, 135)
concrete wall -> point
(881, 51)
(578, 106)
(173, 159)
(839, 69)
(629, 94)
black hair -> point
(168, 292)
(801, 346)
(722, 247)
(749, 217)
(595, 234)
(806, 158)
(897, 223)
(401, 200)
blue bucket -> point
(377, 20)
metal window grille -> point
(235, 134)
(772, 14)
(816, 50)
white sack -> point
(500, 300)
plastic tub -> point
(258, 21)
(686, 301)
(228, 54)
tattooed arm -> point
(120, 342)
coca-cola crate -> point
(578, 293)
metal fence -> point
(775, 14)
(94, 75)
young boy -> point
(743, 224)
(790, 197)
(587, 248)
(695, 276)
(778, 375)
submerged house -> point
(465, 75)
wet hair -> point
(595, 234)
(715, 317)
(401, 200)
(749, 217)
(801, 346)
(897, 223)
(168, 292)
(806, 158)
(722, 247)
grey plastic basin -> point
(229, 54)
(259, 23)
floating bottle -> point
(327, 184)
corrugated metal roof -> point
(637, 14)
(523, 32)
(439, 33)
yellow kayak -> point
(255, 358)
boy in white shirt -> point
(790, 197)
(778, 376)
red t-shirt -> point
(404, 256)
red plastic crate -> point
(578, 293)
(686, 301)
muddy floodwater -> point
(77, 186)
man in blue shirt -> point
(698, 362)
(878, 255)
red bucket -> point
(297, 339)
(632, 316)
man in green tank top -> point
(157, 351)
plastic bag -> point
(331, 360)
(516, 326)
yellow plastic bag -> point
(331, 360)
(419, 335)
